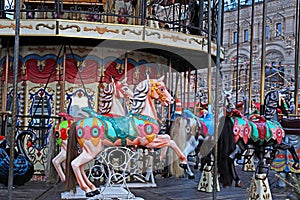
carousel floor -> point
(167, 189)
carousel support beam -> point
(5, 86)
(260, 187)
(14, 103)
(263, 59)
(297, 44)
(216, 103)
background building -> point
(280, 43)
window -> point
(246, 35)
(267, 32)
(278, 29)
(235, 37)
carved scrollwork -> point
(37, 27)
(12, 26)
(153, 33)
(101, 30)
(78, 29)
(131, 31)
(174, 38)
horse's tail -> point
(226, 146)
(72, 153)
(178, 134)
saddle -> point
(260, 123)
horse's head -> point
(192, 127)
(122, 89)
(159, 91)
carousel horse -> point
(139, 128)
(263, 136)
(110, 106)
(275, 103)
(188, 131)
(23, 166)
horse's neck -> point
(116, 108)
(149, 108)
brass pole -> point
(169, 107)
(195, 90)
(184, 90)
(263, 59)
(237, 55)
(63, 85)
(251, 58)
(189, 89)
(6, 81)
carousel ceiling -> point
(181, 59)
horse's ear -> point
(161, 78)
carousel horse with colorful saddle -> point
(276, 103)
(265, 137)
(139, 128)
(109, 106)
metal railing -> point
(184, 16)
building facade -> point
(280, 46)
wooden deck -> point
(167, 189)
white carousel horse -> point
(110, 105)
(139, 129)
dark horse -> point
(261, 135)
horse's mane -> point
(140, 95)
(272, 103)
(106, 98)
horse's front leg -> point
(160, 142)
(89, 152)
(190, 147)
(57, 163)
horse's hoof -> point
(239, 184)
(191, 176)
(92, 193)
(183, 165)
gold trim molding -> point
(101, 30)
(78, 29)
(37, 27)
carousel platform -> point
(167, 188)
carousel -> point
(94, 93)
(113, 64)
